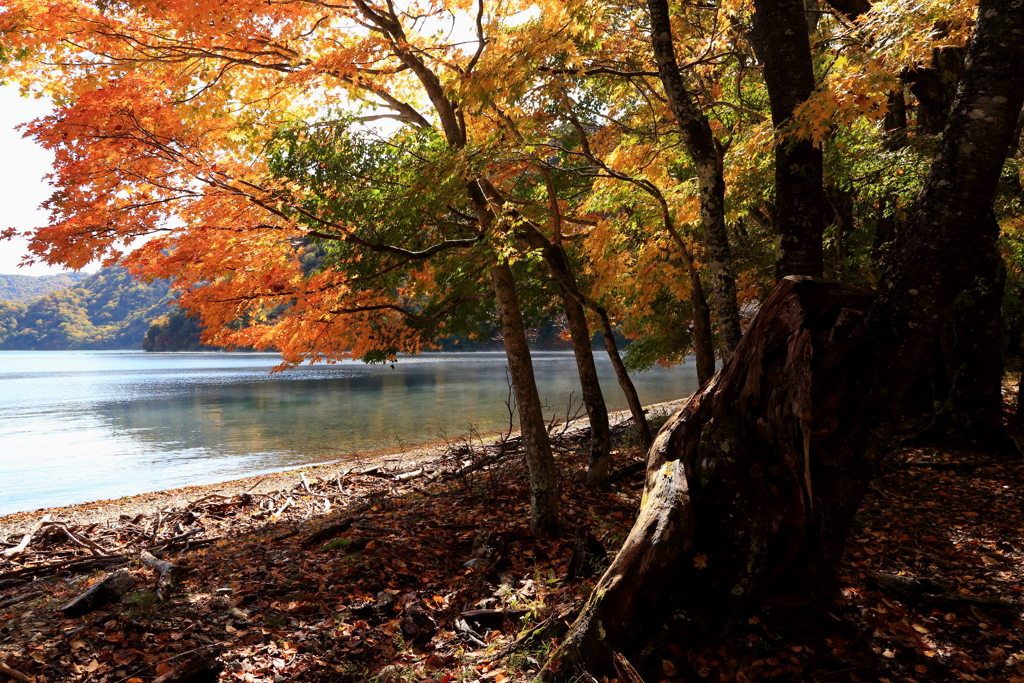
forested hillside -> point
(106, 310)
(29, 287)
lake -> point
(77, 426)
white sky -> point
(22, 187)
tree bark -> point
(972, 410)
(780, 36)
(752, 486)
(700, 142)
(543, 476)
(593, 399)
(935, 89)
(590, 385)
(558, 266)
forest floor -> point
(424, 570)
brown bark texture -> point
(543, 475)
(741, 494)
(780, 37)
(752, 486)
(558, 266)
(593, 398)
(696, 132)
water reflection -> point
(86, 425)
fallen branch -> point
(14, 673)
(20, 598)
(27, 538)
(166, 572)
(75, 564)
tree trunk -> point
(780, 36)
(636, 409)
(972, 410)
(935, 89)
(700, 142)
(593, 399)
(558, 266)
(703, 342)
(752, 486)
(895, 123)
(737, 494)
(543, 476)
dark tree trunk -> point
(895, 122)
(700, 143)
(703, 342)
(935, 89)
(734, 481)
(970, 412)
(541, 463)
(752, 486)
(593, 399)
(780, 36)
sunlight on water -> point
(78, 426)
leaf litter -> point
(432, 575)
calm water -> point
(78, 426)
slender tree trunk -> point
(543, 476)
(636, 409)
(700, 142)
(703, 343)
(558, 266)
(895, 122)
(593, 399)
(780, 35)
(740, 501)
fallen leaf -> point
(700, 561)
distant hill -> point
(106, 310)
(25, 288)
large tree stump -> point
(751, 486)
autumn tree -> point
(753, 486)
(164, 115)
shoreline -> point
(411, 457)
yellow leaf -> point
(700, 561)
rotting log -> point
(752, 457)
(106, 591)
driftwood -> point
(409, 476)
(76, 565)
(106, 591)
(166, 573)
(27, 538)
(493, 619)
(331, 530)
